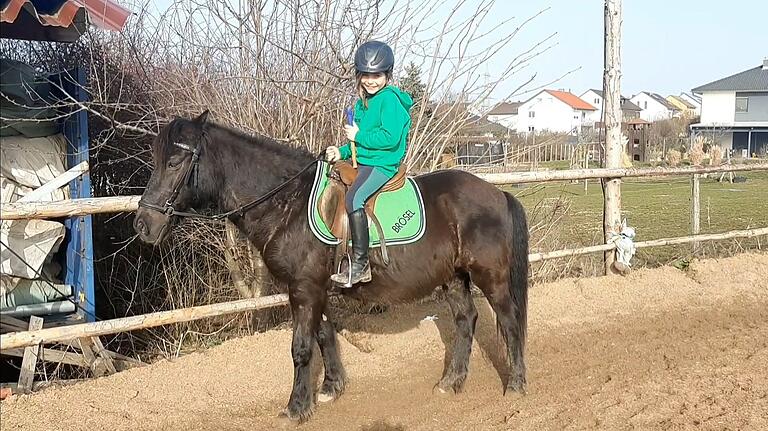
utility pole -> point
(612, 113)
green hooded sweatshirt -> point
(384, 127)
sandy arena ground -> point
(659, 349)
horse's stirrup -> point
(348, 284)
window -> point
(742, 104)
(531, 114)
(597, 101)
(645, 105)
(576, 117)
(530, 128)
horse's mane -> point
(230, 135)
(262, 142)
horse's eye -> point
(175, 162)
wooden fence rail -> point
(65, 333)
(78, 207)
(15, 340)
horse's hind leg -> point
(335, 378)
(495, 285)
(465, 317)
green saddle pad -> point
(400, 212)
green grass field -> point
(656, 209)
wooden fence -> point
(15, 340)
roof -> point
(755, 79)
(683, 102)
(598, 92)
(505, 108)
(664, 102)
(572, 100)
(626, 104)
(58, 20)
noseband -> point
(191, 176)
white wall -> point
(551, 114)
(718, 108)
(651, 109)
(508, 120)
(595, 100)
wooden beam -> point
(103, 355)
(54, 184)
(581, 174)
(79, 207)
(536, 257)
(28, 364)
(748, 233)
(52, 355)
(68, 208)
(104, 327)
(614, 145)
(88, 356)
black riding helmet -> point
(374, 57)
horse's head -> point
(173, 187)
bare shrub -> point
(696, 153)
(674, 157)
(715, 155)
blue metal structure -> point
(78, 255)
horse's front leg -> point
(335, 378)
(307, 304)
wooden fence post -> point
(612, 112)
(29, 363)
(695, 208)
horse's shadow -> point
(408, 317)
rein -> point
(169, 211)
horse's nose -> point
(140, 226)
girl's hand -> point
(351, 131)
(332, 154)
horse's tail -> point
(518, 263)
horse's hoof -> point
(438, 390)
(450, 385)
(294, 418)
(325, 398)
(518, 387)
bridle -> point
(191, 176)
(168, 208)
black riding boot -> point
(361, 269)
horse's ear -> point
(203, 118)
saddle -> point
(332, 202)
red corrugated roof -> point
(572, 100)
(105, 14)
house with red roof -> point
(553, 111)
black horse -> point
(475, 234)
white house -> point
(693, 100)
(654, 107)
(734, 111)
(595, 97)
(504, 113)
(553, 111)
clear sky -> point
(668, 46)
